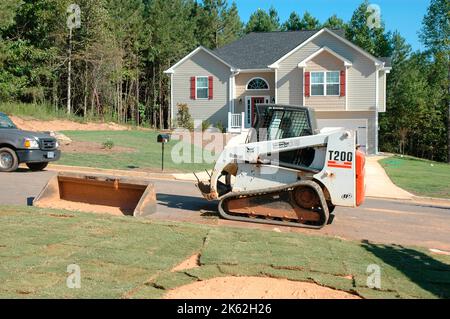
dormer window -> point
(257, 84)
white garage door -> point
(358, 125)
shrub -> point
(220, 127)
(184, 118)
(108, 144)
(205, 125)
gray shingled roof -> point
(257, 50)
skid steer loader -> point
(286, 172)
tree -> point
(370, 37)
(169, 22)
(309, 22)
(435, 35)
(261, 21)
(293, 23)
(218, 24)
(8, 9)
(334, 22)
(413, 124)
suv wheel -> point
(8, 160)
(37, 166)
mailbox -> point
(163, 138)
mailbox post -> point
(163, 139)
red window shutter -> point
(193, 88)
(210, 87)
(307, 84)
(342, 83)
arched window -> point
(257, 84)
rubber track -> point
(311, 184)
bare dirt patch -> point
(94, 148)
(255, 288)
(190, 263)
(83, 207)
(64, 125)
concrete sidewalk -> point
(378, 183)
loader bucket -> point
(98, 193)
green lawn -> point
(125, 257)
(146, 156)
(418, 176)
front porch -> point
(240, 116)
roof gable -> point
(200, 48)
(341, 38)
(257, 50)
(324, 49)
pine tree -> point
(261, 21)
(334, 22)
(293, 23)
(309, 22)
(218, 23)
(372, 38)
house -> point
(343, 83)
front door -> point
(250, 109)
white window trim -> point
(249, 98)
(254, 78)
(207, 87)
(325, 83)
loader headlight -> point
(30, 143)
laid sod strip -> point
(409, 272)
(114, 254)
(418, 176)
(147, 154)
(123, 257)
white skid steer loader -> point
(286, 172)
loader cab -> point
(277, 122)
(273, 122)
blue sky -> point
(402, 15)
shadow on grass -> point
(428, 273)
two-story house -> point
(343, 83)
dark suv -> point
(34, 149)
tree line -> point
(118, 54)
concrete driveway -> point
(378, 220)
(378, 183)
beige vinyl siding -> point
(382, 91)
(325, 62)
(361, 77)
(241, 87)
(203, 64)
(371, 123)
